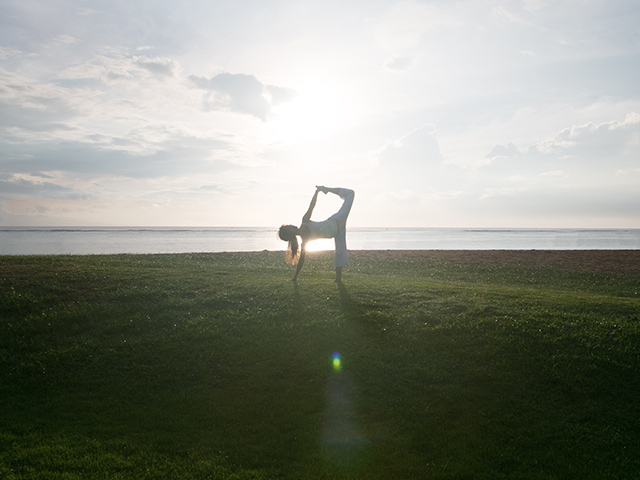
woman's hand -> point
(321, 188)
(303, 254)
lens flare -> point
(345, 446)
(336, 362)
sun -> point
(316, 110)
(320, 245)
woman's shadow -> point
(353, 311)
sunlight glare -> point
(318, 109)
(320, 245)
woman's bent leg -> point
(348, 196)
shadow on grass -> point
(356, 313)
(350, 308)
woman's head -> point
(289, 233)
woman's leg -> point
(348, 196)
(341, 256)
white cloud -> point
(590, 147)
(89, 11)
(502, 152)
(17, 185)
(501, 192)
(242, 93)
(596, 142)
(449, 195)
(404, 24)
(160, 67)
(400, 64)
(64, 39)
(412, 159)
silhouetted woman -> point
(333, 227)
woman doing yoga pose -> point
(333, 227)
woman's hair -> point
(292, 254)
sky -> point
(456, 113)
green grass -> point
(217, 366)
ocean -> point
(114, 240)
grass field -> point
(217, 366)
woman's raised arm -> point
(303, 254)
(312, 205)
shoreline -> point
(87, 241)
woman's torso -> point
(325, 229)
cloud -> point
(501, 192)
(14, 185)
(41, 175)
(82, 122)
(590, 149)
(29, 109)
(601, 142)
(176, 158)
(114, 66)
(279, 95)
(575, 174)
(160, 67)
(403, 25)
(418, 147)
(241, 93)
(64, 39)
(552, 173)
(400, 64)
(88, 11)
(500, 151)
(212, 188)
(413, 167)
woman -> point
(333, 227)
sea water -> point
(111, 240)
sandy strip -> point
(599, 260)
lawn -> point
(218, 366)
